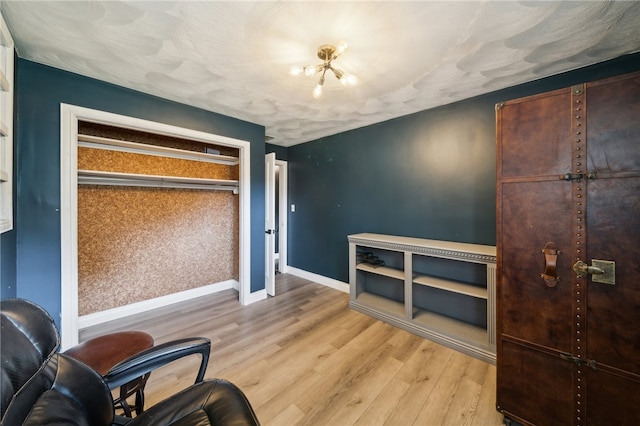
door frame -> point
(69, 117)
(282, 168)
(283, 215)
(269, 223)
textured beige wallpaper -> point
(135, 244)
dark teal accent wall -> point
(40, 91)
(429, 175)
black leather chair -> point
(39, 386)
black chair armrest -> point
(158, 356)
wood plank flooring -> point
(304, 358)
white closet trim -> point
(69, 117)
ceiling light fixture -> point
(327, 53)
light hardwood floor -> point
(304, 358)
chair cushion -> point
(34, 339)
(212, 402)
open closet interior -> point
(157, 215)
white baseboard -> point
(135, 308)
(320, 279)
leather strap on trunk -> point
(550, 275)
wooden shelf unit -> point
(443, 291)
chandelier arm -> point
(337, 72)
(322, 77)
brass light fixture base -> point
(326, 52)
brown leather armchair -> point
(40, 386)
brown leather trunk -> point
(568, 173)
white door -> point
(281, 231)
(270, 225)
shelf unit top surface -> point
(478, 249)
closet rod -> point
(88, 141)
(92, 177)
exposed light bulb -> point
(348, 80)
(296, 71)
(317, 92)
(342, 46)
(310, 70)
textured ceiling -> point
(234, 57)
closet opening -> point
(156, 215)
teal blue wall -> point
(429, 175)
(40, 91)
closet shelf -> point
(88, 141)
(92, 177)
